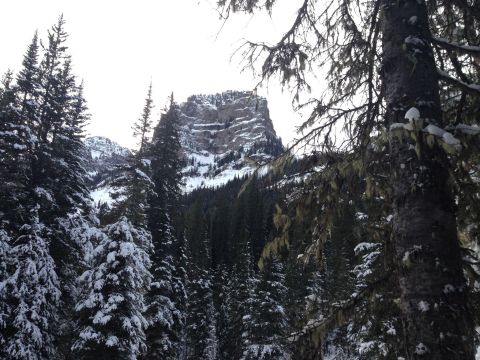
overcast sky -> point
(118, 46)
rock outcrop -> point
(225, 136)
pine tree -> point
(142, 128)
(200, 320)
(34, 290)
(29, 326)
(61, 190)
(52, 80)
(16, 142)
(164, 315)
(181, 274)
(5, 308)
(240, 303)
(222, 315)
(111, 322)
(269, 322)
(134, 186)
(28, 83)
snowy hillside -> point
(102, 166)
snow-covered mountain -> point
(102, 148)
(223, 136)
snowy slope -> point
(102, 166)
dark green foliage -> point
(143, 126)
(167, 292)
(269, 323)
(235, 227)
(201, 338)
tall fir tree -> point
(143, 126)
(62, 189)
(221, 293)
(28, 82)
(30, 322)
(200, 319)
(240, 302)
(166, 320)
(42, 116)
(269, 319)
(17, 140)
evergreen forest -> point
(357, 241)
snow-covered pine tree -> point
(200, 322)
(33, 289)
(29, 326)
(59, 177)
(16, 142)
(221, 298)
(269, 320)
(5, 308)
(201, 331)
(167, 291)
(181, 274)
(133, 189)
(111, 324)
(240, 302)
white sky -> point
(118, 46)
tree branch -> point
(452, 46)
(472, 89)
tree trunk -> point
(428, 260)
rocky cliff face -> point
(223, 136)
(224, 122)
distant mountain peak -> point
(103, 147)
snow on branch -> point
(473, 89)
(467, 49)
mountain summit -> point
(225, 136)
